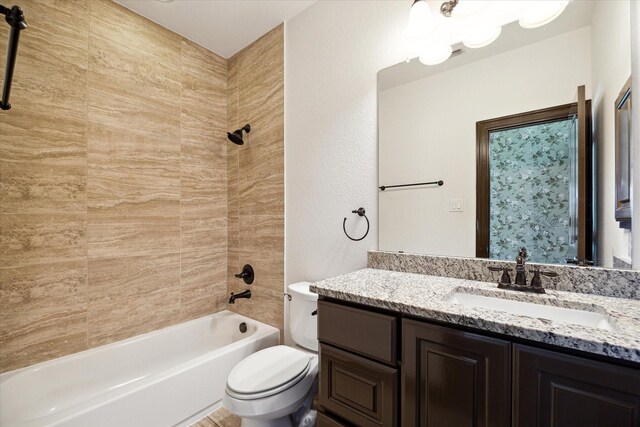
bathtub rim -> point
(262, 331)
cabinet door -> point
(454, 379)
(554, 389)
(326, 421)
(359, 390)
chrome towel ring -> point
(360, 212)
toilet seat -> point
(268, 372)
(277, 405)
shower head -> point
(236, 135)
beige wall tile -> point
(123, 206)
(112, 237)
(203, 283)
(261, 86)
(42, 138)
(202, 197)
(42, 312)
(132, 174)
(41, 239)
(203, 233)
(256, 177)
(129, 296)
(265, 305)
(233, 95)
(261, 197)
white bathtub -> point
(170, 377)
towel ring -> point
(360, 212)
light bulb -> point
(435, 53)
(420, 19)
(539, 13)
(470, 8)
(481, 35)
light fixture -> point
(539, 13)
(420, 20)
(435, 53)
(436, 25)
(447, 7)
(481, 35)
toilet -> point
(275, 387)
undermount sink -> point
(540, 311)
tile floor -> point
(219, 418)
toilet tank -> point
(303, 326)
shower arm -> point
(15, 19)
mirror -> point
(522, 134)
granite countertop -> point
(429, 297)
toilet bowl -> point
(275, 387)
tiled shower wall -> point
(256, 176)
(113, 180)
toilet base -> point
(276, 422)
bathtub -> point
(170, 377)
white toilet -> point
(275, 386)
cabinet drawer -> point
(326, 421)
(554, 389)
(359, 390)
(371, 334)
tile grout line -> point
(86, 183)
(180, 311)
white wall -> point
(611, 67)
(333, 51)
(428, 132)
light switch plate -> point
(455, 205)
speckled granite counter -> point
(429, 297)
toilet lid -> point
(268, 370)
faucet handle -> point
(247, 274)
(536, 281)
(505, 278)
(548, 273)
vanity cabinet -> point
(380, 369)
(559, 390)
(359, 375)
(453, 378)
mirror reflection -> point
(525, 150)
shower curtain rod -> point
(15, 19)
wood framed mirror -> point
(534, 184)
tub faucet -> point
(245, 294)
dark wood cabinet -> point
(554, 389)
(453, 378)
(359, 371)
(326, 421)
(378, 369)
(371, 334)
(357, 389)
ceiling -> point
(222, 26)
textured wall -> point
(256, 176)
(112, 181)
(333, 53)
(334, 50)
(610, 69)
